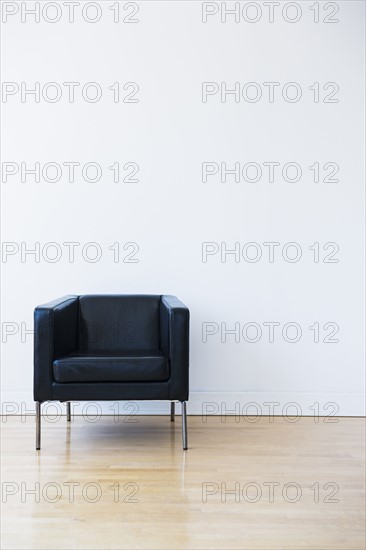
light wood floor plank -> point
(145, 460)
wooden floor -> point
(170, 499)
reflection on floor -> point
(118, 483)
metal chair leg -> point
(68, 411)
(184, 426)
(172, 411)
(38, 425)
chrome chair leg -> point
(68, 411)
(172, 411)
(184, 426)
(38, 425)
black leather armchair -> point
(111, 347)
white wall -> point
(169, 132)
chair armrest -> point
(174, 342)
(55, 334)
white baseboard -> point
(207, 403)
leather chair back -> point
(118, 323)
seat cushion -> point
(132, 366)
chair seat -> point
(129, 366)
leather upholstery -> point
(112, 391)
(119, 323)
(93, 347)
(131, 367)
(55, 334)
(174, 342)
